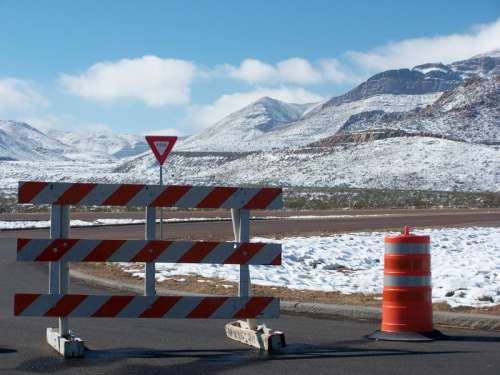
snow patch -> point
(465, 265)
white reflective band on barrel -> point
(390, 280)
(407, 248)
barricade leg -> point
(61, 338)
(247, 331)
(150, 268)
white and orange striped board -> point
(78, 250)
(182, 196)
(174, 307)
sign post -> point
(161, 147)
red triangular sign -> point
(161, 146)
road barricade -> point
(60, 249)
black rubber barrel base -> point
(407, 336)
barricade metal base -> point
(407, 336)
(71, 347)
(261, 338)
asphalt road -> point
(135, 346)
(180, 213)
(318, 222)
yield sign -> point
(161, 146)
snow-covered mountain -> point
(20, 141)
(469, 113)
(482, 65)
(430, 139)
(330, 119)
(386, 93)
(102, 143)
(422, 79)
(239, 130)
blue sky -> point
(178, 66)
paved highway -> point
(180, 214)
(311, 223)
(199, 347)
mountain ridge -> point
(469, 113)
(392, 92)
(21, 141)
(256, 119)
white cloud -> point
(156, 81)
(293, 70)
(252, 71)
(336, 72)
(19, 96)
(446, 48)
(298, 70)
(206, 115)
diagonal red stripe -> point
(197, 252)
(170, 196)
(206, 307)
(160, 307)
(253, 308)
(103, 251)
(217, 197)
(22, 242)
(29, 190)
(56, 250)
(151, 251)
(75, 193)
(112, 306)
(277, 261)
(22, 301)
(263, 198)
(65, 305)
(243, 253)
(122, 195)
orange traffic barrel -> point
(407, 296)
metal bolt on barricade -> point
(407, 296)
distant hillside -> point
(20, 141)
(469, 113)
(103, 143)
(238, 131)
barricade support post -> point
(149, 267)
(61, 339)
(247, 331)
(60, 249)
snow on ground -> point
(397, 163)
(465, 265)
(31, 224)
